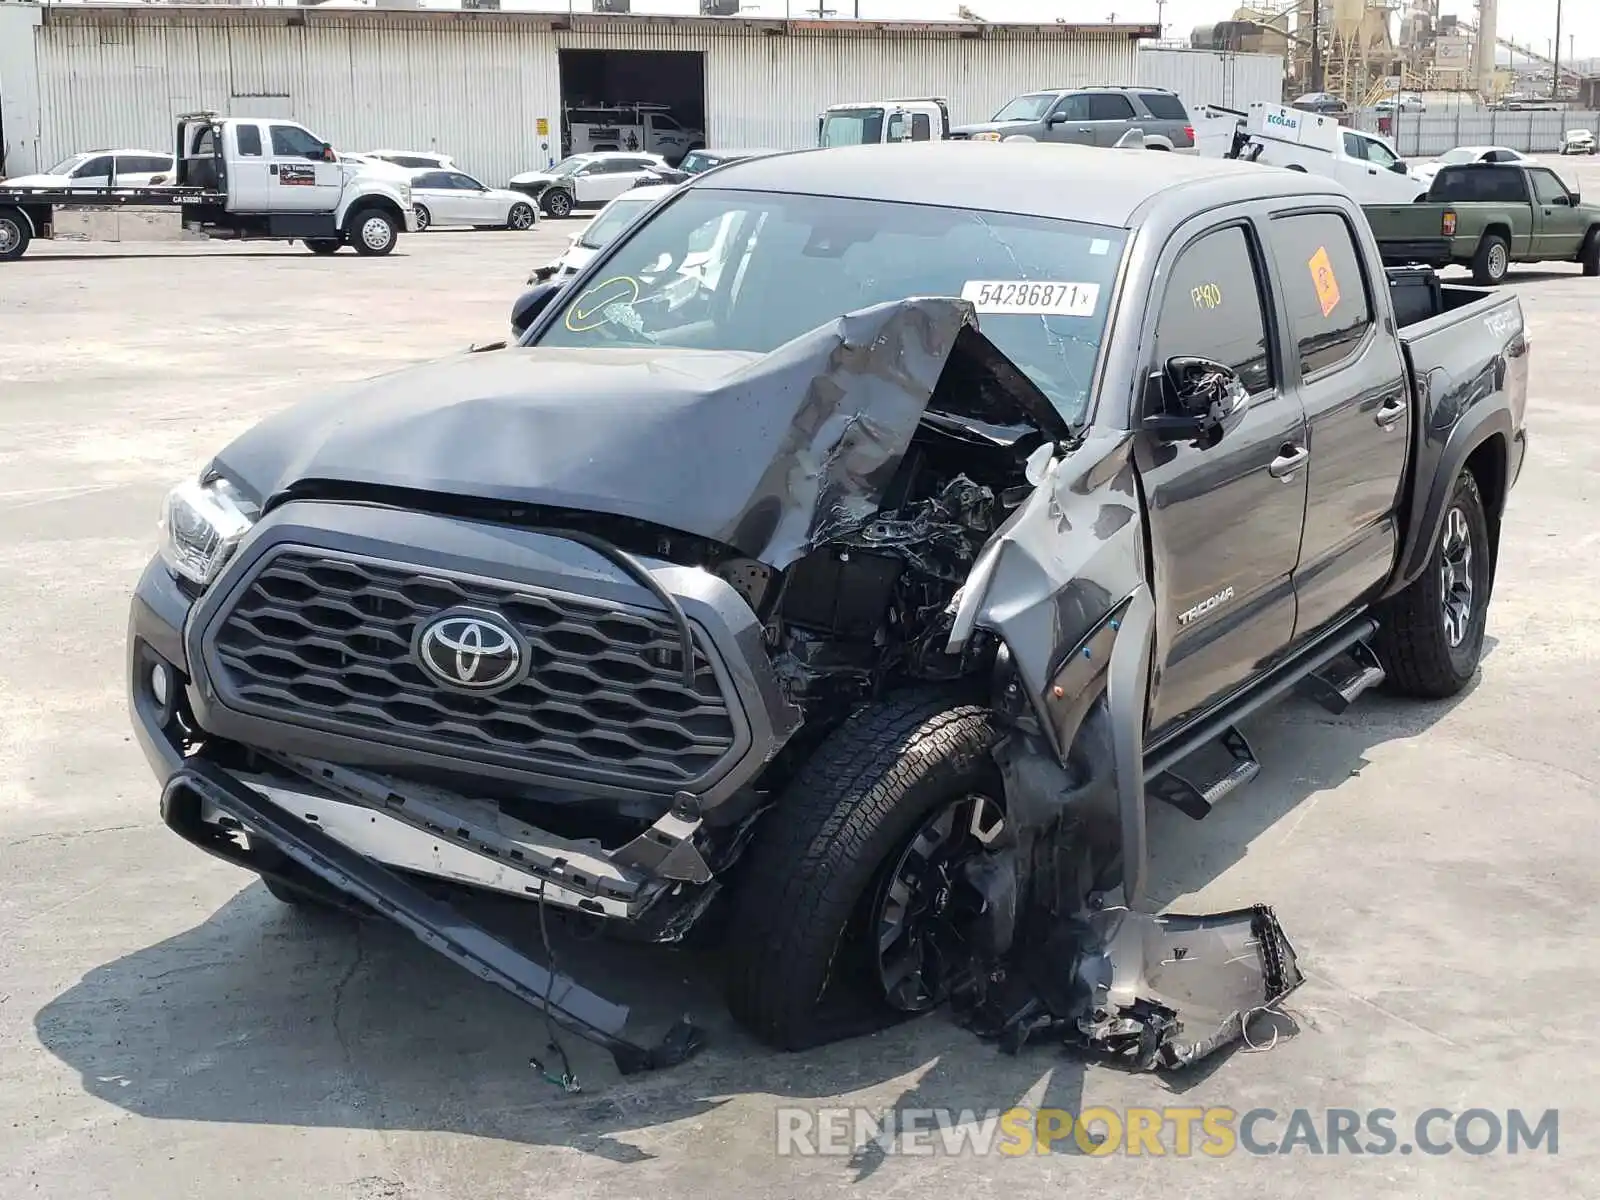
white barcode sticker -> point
(1026, 297)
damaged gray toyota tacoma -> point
(834, 569)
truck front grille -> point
(326, 641)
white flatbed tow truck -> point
(240, 178)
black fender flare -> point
(1468, 434)
(21, 210)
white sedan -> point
(102, 168)
(451, 198)
(1425, 172)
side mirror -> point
(1398, 166)
(1197, 400)
(1577, 198)
(1055, 118)
(530, 304)
(328, 153)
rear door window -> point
(249, 137)
(1110, 107)
(1355, 145)
(1164, 107)
(1324, 288)
(921, 128)
(1213, 307)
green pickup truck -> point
(1488, 216)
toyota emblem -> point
(471, 650)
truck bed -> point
(1454, 336)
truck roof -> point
(1107, 187)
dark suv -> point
(1095, 116)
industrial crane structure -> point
(1358, 49)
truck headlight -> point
(991, 136)
(201, 525)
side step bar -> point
(1196, 799)
(435, 923)
(1334, 671)
(1337, 685)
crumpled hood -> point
(769, 454)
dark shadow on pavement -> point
(267, 1015)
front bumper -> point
(348, 817)
(366, 787)
(411, 220)
(259, 833)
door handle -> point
(1288, 461)
(1390, 411)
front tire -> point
(521, 217)
(829, 866)
(424, 217)
(1591, 253)
(1492, 260)
(1430, 636)
(373, 232)
(556, 203)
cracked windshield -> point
(724, 270)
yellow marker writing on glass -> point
(588, 310)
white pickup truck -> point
(1368, 166)
(256, 178)
(915, 119)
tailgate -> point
(1412, 232)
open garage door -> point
(649, 100)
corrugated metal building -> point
(481, 86)
(1213, 76)
(19, 88)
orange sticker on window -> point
(1322, 278)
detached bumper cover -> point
(1147, 992)
(436, 924)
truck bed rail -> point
(110, 197)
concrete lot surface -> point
(168, 1030)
